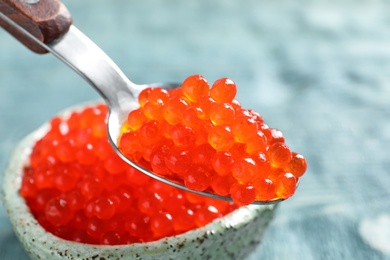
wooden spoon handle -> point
(46, 20)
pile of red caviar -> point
(204, 138)
(80, 190)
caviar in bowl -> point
(231, 236)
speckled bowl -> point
(231, 237)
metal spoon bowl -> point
(77, 51)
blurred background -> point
(317, 70)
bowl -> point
(233, 236)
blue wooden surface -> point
(317, 70)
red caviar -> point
(208, 141)
(79, 189)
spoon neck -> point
(88, 60)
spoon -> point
(46, 26)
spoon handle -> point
(46, 20)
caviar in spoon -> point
(202, 138)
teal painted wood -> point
(317, 70)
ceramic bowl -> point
(232, 237)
